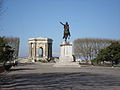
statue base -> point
(66, 58)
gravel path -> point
(45, 77)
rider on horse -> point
(66, 31)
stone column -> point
(30, 50)
(34, 51)
(37, 52)
(46, 50)
(50, 50)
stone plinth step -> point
(66, 64)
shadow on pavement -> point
(19, 69)
(62, 81)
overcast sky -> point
(40, 18)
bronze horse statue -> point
(66, 31)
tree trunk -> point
(112, 63)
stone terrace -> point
(39, 76)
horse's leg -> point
(65, 39)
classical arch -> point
(40, 48)
(40, 51)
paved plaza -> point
(43, 76)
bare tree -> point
(88, 48)
(14, 43)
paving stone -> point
(46, 77)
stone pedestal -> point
(66, 57)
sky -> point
(40, 18)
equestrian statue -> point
(66, 31)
